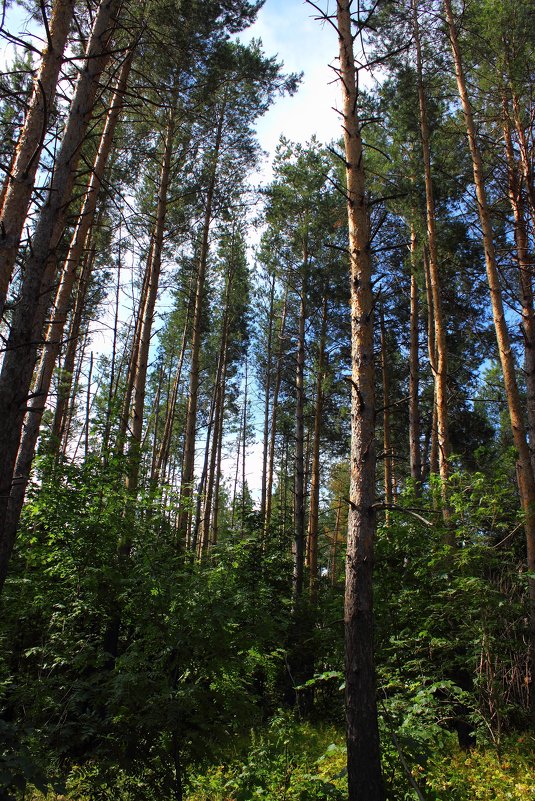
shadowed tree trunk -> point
(313, 518)
(414, 375)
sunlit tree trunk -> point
(525, 266)
(363, 750)
(525, 476)
(56, 326)
(30, 313)
(147, 316)
(21, 180)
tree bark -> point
(188, 468)
(30, 313)
(387, 440)
(267, 392)
(525, 475)
(273, 428)
(440, 368)
(525, 267)
(299, 457)
(363, 749)
(147, 317)
(56, 326)
(21, 180)
(414, 375)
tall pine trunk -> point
(525, 475)
(56, 326)
(20, 183)
(415, 454)
(313, 517)
(440, 367)
(363, 749)
(30, 313)
(188, 467)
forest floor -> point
(295, 761)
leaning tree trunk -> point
(363, 749)
(30, 313)
(21, 179)
(54, 334)
(525, 476)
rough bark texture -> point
(56, 325)
(20, 183)
(363, 749)
(30, 313)
(525, 476)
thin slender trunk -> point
(274, 409)
(414, 375)
(165, 445)
(363, 749)
(267, 392)
(88, 407)
(313, 517)
(299, 460)
(30, 313)
(387, 442)
(335, 542)
(525, 266)
(440, 370)
(244, 446)
(133, 357)
(21, 179)
(147, 317)
(188, 469)
(525, 475)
